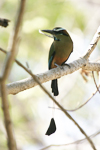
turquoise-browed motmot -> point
(60, 51)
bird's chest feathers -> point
(62, 49)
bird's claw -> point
(61, 67)
(67, 65)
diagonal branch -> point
(93, 43)
(76, 142)
(71, 110)
(95, 82)
(63, 110)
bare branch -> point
(18, 86)
(13, 41)
(93, 43)
(76, 142)
(9, 60)
(71, 110)
(95, 82)
(92, 66)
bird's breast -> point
(62, 53)
(63, 50)
(58, 61)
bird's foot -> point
(61, 67)
(67, 65)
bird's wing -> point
(51, 55)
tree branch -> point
(93, 43)
(19, 86)
(76, 142)
(12, 42)
(75, 109)
(95, 82)
(16, 87)
(7, 68)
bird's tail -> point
(54, 86)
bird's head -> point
(58, 33)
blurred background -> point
(29, 109)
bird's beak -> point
(48, 31)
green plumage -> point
(60, 51)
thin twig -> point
(71, 110)
(76, 142)
(7, 68)
(93, 43)
(95, 82)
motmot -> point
(60, 50)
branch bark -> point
(19, 86)
(16, 87)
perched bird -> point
(60, 51)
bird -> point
(60, 50)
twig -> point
(93, 43)
(7, 68)
(13, 41)
(71, 110)
(76, 142)
(95, 82)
